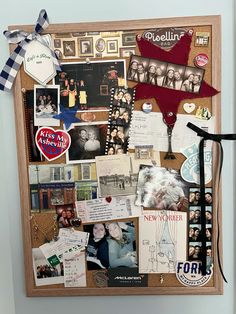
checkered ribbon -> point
(13, 64)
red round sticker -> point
(201, 60)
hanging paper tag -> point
(38, 62)
(52, 143)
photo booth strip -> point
(196, 235)
(119, 122)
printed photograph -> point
(88, 86)
(127, 52)
(120, 117)
(100, 45)
(58, 54)
(51, 185)
(86, 190)
(161, 188)
(46, 105)
(156, 72)
(111, 245)
(138, 69)
(194, 197)
(174, 76)
(195, 234)
(85, 46)
(168, 75)
(128, 39)
(87, 142)
(192, 80)
(66, 216)
(112, 46)
(195, 251)
(123, 97)
(115, 176)
(194, 215)
(44, 273)
(57, 43)
(68, 48)
(118, 135)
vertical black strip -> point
(203, 204)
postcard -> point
(114, 175)
(109, 208)
(161, 188)
(162, 240)
(44, 273)
(149, 129)
(74, 269)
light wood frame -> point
(31, 289)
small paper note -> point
(74, 270)
(71, 236)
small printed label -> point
(164, 37)
(38, 62)
(126, 277)
(190, 274)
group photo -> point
(168, 75)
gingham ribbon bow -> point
(13, 64)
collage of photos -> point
(94, 44)
(196, 235)
(168, 75)
(120, 114)
(79, 89)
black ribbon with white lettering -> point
(216, 138)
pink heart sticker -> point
(52, 143)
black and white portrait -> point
(87, 142)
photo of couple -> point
(87, 142)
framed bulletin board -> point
(109, 183)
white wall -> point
(12, 295)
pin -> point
(201, 60)
(189, 107)
(147, 107)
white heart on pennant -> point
(189, 107)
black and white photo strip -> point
(169, 75)
(120, 115)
